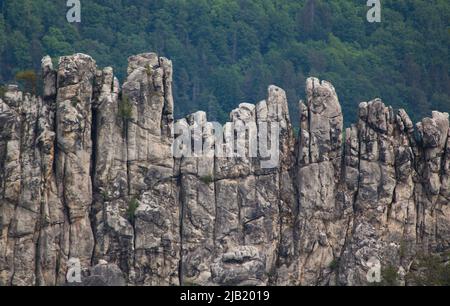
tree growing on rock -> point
(28, 79)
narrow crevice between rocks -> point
(95, 192)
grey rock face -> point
(87, 173)
(393, 197)
(322, 217)
(105, 274)
(75, 77)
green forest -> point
(228, 51)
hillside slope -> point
(229, 50)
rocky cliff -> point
(87, 173)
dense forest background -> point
(228, 51)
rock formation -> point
(87, 173)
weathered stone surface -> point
(322, 218)
(87, 172)
(112, 227)
(75, 77)
(150, 170)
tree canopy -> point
(228, 51)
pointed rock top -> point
(144, 60)
(46, 63)
(322, 98)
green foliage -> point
(228, 51)
(403, 248)
(296, 131)
(344, 135)
(148, 70)
(431, 270)
(131, 210)
(2, 34)
(389, 276)
(29, 80)
(74, 101)
(207, 179)
(125, 111)
(56, 43)
(190, 284)
(2, 91)
(334, 265)
(104, 195)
